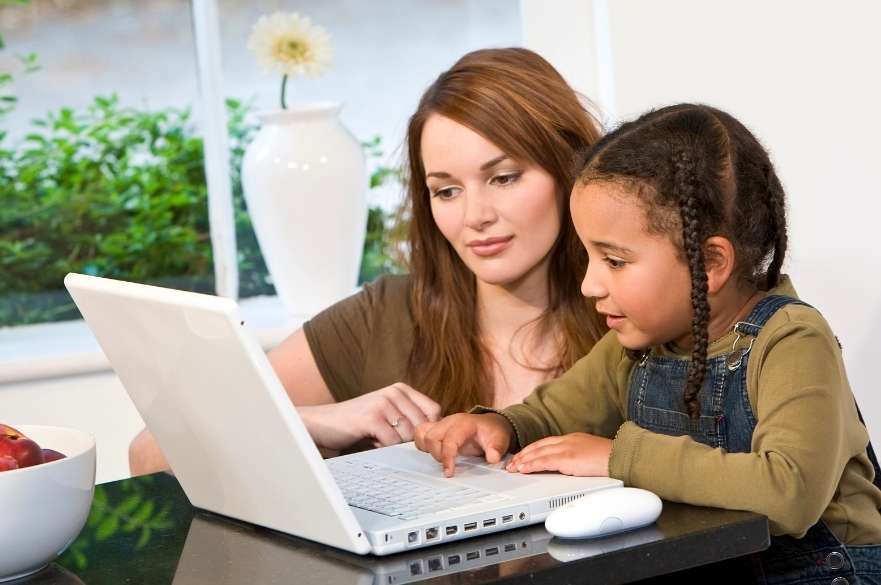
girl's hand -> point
(465, 434)
(386, 417)
(573, 454)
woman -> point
(491, 307)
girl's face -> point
(638, 279)
(502, 216)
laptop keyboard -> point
(402, 494)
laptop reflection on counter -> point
(226, 552)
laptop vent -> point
(555, 503)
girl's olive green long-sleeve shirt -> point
(808, 459)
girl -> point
(720, 387)
(491, 307)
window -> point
(102, 167)
(101, 156)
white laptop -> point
(206, 390)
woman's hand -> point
(465, 434)
(385, 417)
(572, 454)
(144, 455)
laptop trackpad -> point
(490, 478)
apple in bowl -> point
(18, 450)
(43, 505)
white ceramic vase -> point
(305, 181)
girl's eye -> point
(506, 179)
(614, 263)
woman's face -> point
(501, 215)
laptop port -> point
(435, 564)
(431, 533)
(510, 547)
(453, 560)
(507, 518)
(412, 537)
(489, 522)
(475, 554)
(451, 530)
(522, 516)
(471, 526)
(415, 568)
(493, 550)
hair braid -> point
(685, 183)
(776, 201)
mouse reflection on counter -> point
(570, 549)
(605, 512)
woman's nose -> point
(479, 211)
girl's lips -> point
(613, 320)
(491, 246)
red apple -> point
(14, 444)
(7, 463)
(52, 455)
(8, 430)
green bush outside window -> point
(120, 192)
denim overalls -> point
(727, 421)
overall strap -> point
(753, 323)
(762, 312)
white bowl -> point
(44, 507)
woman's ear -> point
(719, 261)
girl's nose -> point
(479, 211)
(591, 286)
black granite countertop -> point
(144, 530)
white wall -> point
(805, 78)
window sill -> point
(68, 348)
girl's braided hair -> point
(699, 173)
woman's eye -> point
(505, 180)
(614, 263)
(447, 193)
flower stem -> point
(284, 84)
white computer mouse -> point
(604, 512)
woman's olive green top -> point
(808, 456)
(363, 343)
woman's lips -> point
(490, 246)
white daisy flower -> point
(290, 44)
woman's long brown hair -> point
(520, 103)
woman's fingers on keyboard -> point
(428, 408)
(383, 428)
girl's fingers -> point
(538, 451)
(545, 463)
(432, 439)
(534, 447)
